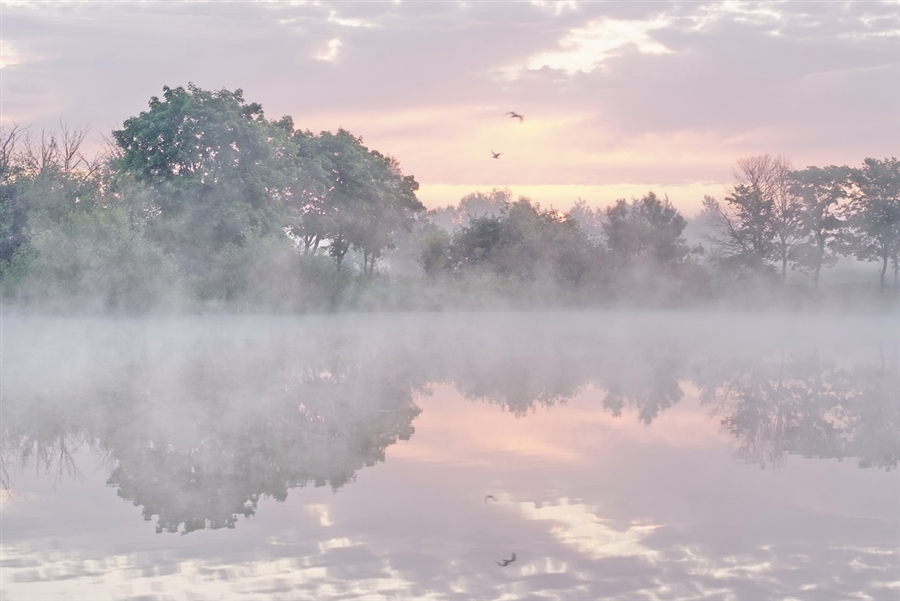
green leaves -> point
(874, 213)
(350, 196)
(212, 156)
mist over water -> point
(617, 454)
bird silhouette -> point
(491, 497)
(505, 562)
(515, 115)
(496, 154)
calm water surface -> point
(615, 456)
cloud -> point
(330, 52)
(612, 92)
(9, 54)
(583, 49)
(334, 18)
(556, 7)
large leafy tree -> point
(311, 218)
(390, 205)
(350, 197)
(874, 214)
(218, 171)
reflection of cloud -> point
(5, 497)
(321, 513)
(336, 543)
(578, 526)
(685, 572)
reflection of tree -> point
(650, 385)
(809, 407)
(201, 421)
(39, 434)
(872, 416)
(199, 429)
(518, 382)
(50, 457)
(207, 464)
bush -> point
(93, 261)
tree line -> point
(808, 218)
(202, 199)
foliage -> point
(874, 214)
(470, 206)
(205, 197)
(522, 242)
(268, 273)
(219, 170)
(821, 192)
(646, 229)
(760, 220)
(349, 197)
(42, 181)
(650, 258)
(94, 261)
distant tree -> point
(648, 229)
(477, 243)
(433, 249)
(590, 219)
(873, 214)
(523, 242)
(647, 254)
(821, 192)
(760, 219)
(470, 206)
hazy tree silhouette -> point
(874, 214)
(805, 406)
(821, 192)
(760, 219)
(218, 170)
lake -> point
(535, 455)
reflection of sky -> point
(593, 506)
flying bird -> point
(491, 497)
(505, 562)
(515, 115)
(496, 154)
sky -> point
(618, 98)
